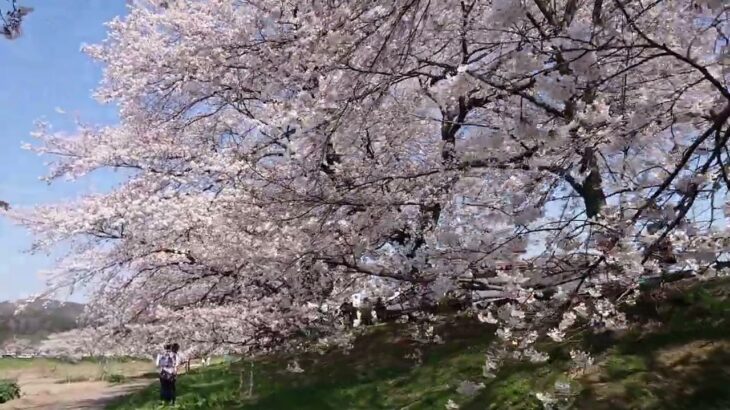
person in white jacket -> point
(167, 364)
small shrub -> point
(115, 378)
(9, 390)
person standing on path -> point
(167, 364)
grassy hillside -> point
(37, 321)
(684, 365)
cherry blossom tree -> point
(72, 344)
(284, 156)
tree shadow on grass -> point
(684, 365)
(695, 375)
(701, 385)
(380, 372)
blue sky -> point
(41, 71)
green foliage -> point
(9, 390)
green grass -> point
(684, 365)
(214, 388)
(13, 363)
(338, 380)
(64, 371)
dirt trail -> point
(48, 394)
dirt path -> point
(47, 394)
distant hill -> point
(39, 320)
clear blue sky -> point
(41, 71)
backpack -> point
(167, 362)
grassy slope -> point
(686, 365)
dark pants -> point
(167, 390)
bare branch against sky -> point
(12, 19)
